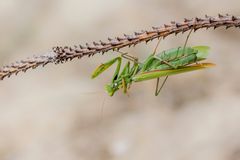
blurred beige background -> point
(58, 112)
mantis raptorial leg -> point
(130, 58)
(124, 74)
(106, 65)
(124, 85)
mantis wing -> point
(203, 52)
(161, 73)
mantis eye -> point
(115, 85)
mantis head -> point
(111, 88)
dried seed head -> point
(121, 38)
(234, 18)
(82, 47)
(103, 43)
(220, 16)
(167, 26)
(66, 53)
(95, 43)
(186, 20)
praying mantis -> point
(170, 62)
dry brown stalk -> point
(63, 54)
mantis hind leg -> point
(158, 90)
(155, 50)
(185, 45)
(128, 56)
(186, 41)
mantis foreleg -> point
(106, 65)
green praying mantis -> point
(170, 62)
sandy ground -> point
(58, 112)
